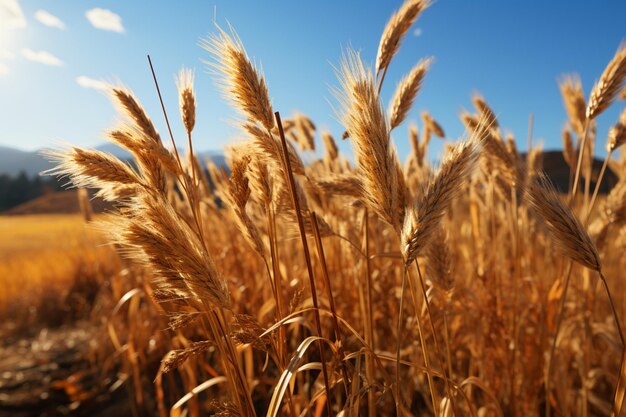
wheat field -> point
(43, 259)
(354, 285)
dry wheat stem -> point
(597, 187)
(305, 247)
(399, 345)
(338, 337)
(559, 321)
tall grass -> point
(375, 288)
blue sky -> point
(513, 52)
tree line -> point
(15, 190)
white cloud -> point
(48, 19)
(417, 32)
(4, 70)
(43, 57)
(87, 82)
(105, 19)
(6, 54)
(11, 15)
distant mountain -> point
(14, 161)
(113, 149)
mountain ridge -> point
(14, 161)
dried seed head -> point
(237, 198)
(423, 218)
(611, 81)
(397, 27)
(439, 266)
(246, 329)
(133, 109)
(331, 153)
(270, 149)
(511, 146)
(260, 180)
(574, 102)
(568, 233)
(179, 320)
(432, 124)
(617, 134)
(175, 358)
(406, 91)
(92, 169)
(470, 121)
(242, 83)
(158, 237)
(364, 119)
(615, 208)
(487, 114)
(304, 134)
(186, 98)
(346, 184)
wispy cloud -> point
(48, 19)
(43, 57)
(105, 19)
(87, 82)
(417, 32)
(5, 54)
(4, 69)
(11, 15)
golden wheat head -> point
(242, 83)
(397, 27)
(607, 88)
(186, 98)
(423, 217)
(567, 232)
(405, 93)
(574, 101)
(365, 121)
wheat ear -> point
(241, 81)
(395, 30)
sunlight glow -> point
(11, 15)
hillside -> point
(60, 202)
(13, 161)
(558, 171)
